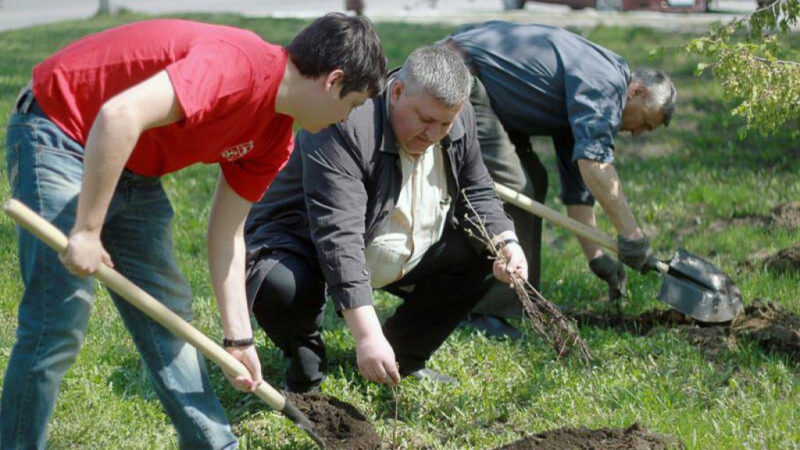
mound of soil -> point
(634, 437)
(786, 260)
(787, 215)
(774, 328)
(339, 424)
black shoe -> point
(492, 326)
(431, 375)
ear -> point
(396, 90)
(636, 89)
(333, 79)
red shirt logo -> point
(237, 151)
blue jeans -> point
(45, 168)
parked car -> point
(622, 5)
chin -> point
(313, 129)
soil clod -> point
(340, 424)
(634, 437)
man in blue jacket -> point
(537, 80)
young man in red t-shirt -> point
(103, 119)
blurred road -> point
(22, 13)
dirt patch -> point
(775, 329)
(641, 324)
(340, 424)
(634, 437)
(787, 215)
(786, 260)
(749, 221)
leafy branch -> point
(755, 67)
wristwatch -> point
(499, 246)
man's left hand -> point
(613, 273)
(515, 264)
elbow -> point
(119, 119)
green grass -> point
(689, 175)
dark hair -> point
(337, 41)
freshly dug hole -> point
(339, 424)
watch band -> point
(237, 342)
(499, 246)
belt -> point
(26, 103)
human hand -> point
(613, 273)
(515, 264)
(84, 254)
(636, 253)
(376, 360)
(249, 357)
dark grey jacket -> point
(340, 185)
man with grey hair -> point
(540, 80)
(379, 201)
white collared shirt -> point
(417, 221)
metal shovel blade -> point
(699, 289)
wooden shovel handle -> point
(528, 204)
(593, 234)
(53, 237)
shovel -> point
(691, 285)
(53, 237)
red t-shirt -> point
(225, 78)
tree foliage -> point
(757, 67)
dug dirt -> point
(785, 215)
(767, 323)
(786, 260)
(340, 425)
(634, 438)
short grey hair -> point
(662, 91)
(438, 72)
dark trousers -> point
(437, 294)
(512, 162)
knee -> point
(52, 350)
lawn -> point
(682, 182)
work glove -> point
(636, 253)
(613, 273)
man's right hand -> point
(84, 254)
(376, 360)
(636, 253)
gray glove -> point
(613, 273)
(636, 253)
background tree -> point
(757, 65)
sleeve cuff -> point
(349, 296)
(593, 151)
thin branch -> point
(777, 61)
(772, 6)
(545, 317)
